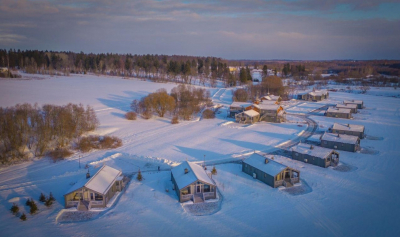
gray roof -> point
(318, 93)
(347, 106)
(352, 101)
(258, 161)
(316, 151)
(342, 138)
(241, 104)
(337, 110)
(274, 107)
(196, 173)
(348, 127)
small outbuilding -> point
(269, 171)
(338, 113)
(95, 191)
(359, 103)
(348, 129)
(248, 116)
(317, 95)
(340, 141)
(315, 155)
(238, 107)
(270, 112)
(192, 183)
(352, 107)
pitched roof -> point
(268, 102)
(100, 182)
(318, 93)
(342, 138)
(241, 104)
(251, 113)
(347, 106)
(339, 110)
(316, 151)
(348, 127)
(258, 161)
(267, 106)
(196, 172)
(352, 102)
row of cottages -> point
(269, 171)
(348, 129)
(313, 95)
(338, 113)
(352, 107)
(359, 103)
(315, 155)
(340, 141)
(192, 183)
(95, 191)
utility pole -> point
(79, 161)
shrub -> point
(51, 197)
(14, 209)
(42, 198)
(109, 142)
(28, 202)
(139, 176)
(23, 217)
(208, 114)
(147, 114)
(34, 208)
(86, 144)
(175, 120)
(59, 154)
(131, 116)
(48, 202)
(214, 171)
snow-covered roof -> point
(352, 102)
(271, 97)
(195, 173)
(342, 138)
(251, 113)
(348, 127)
(348, 106)
(267, 106)
(338, 110)
(258, 161)
(312, 150)
(318, 93)
(100, 182)
(241, 104)
(268, 102)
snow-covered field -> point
(360, 202)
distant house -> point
(269, 171)
(359, 103)
(191, 182)
(315, 155)
(95, 191)
(352, 107)
(238, 107)
(340, 141)
(348, 129)
(3, 69)
(338, 113)
(270, 112)
(248, 116)
(275, 98)
(313, 95)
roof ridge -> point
(91, 178)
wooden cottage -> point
(315, 155)
(192, 183)
(274, 98)
(238, 107)
(248, 116)
(269, 171)
(359, 103)
(338, 113)
(340, 141)
(352, 107)
(95, 191)
(348, 129)
(270, 112)
(313, 95)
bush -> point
(131, 116)
(14, 209)
(42, 198)
(175, 120)
(23, 217)
(59, 154)
(208, 114)
(28, 202)
(139, 176)
(109, 142)
(147, 114)
(86, 144)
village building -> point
(348, 129)
(313, 95)
(192, 183)
(95, 191)
(315, 155)
(340, 141)
(269, 171)
(3, 69)
(338, 113)
(352, 107)
(248, 116)
(238, 107)
(270, 112)
(275, 98)
(359, 103)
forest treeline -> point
(30, 130)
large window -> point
(185, 191)
(207, 188)
(98, 197)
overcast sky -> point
(231, 29)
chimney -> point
(186, 171)
(87, 174)
(266, 160)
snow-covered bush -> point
(175, 120)
(130, 116)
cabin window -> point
(207, 188)
(98, 197)
(185, 191)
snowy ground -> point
(358, 199)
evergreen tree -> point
(28, 202)
(42, 198)
(48, 202)
(139, 176)
(51, 197)
(14, 209)
(34, 208)
(23, 217)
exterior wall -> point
(352, 133)
(359, 106)
(263, 177)
(339, 146)
(246, 119)
(338, 115)
(310, 159)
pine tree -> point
(48, 202)
(51, 197)
(14, 209)
(214, 171)
(34, 208)
(23, 217)
(42, 198)
(139, 176)
(28, 202)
